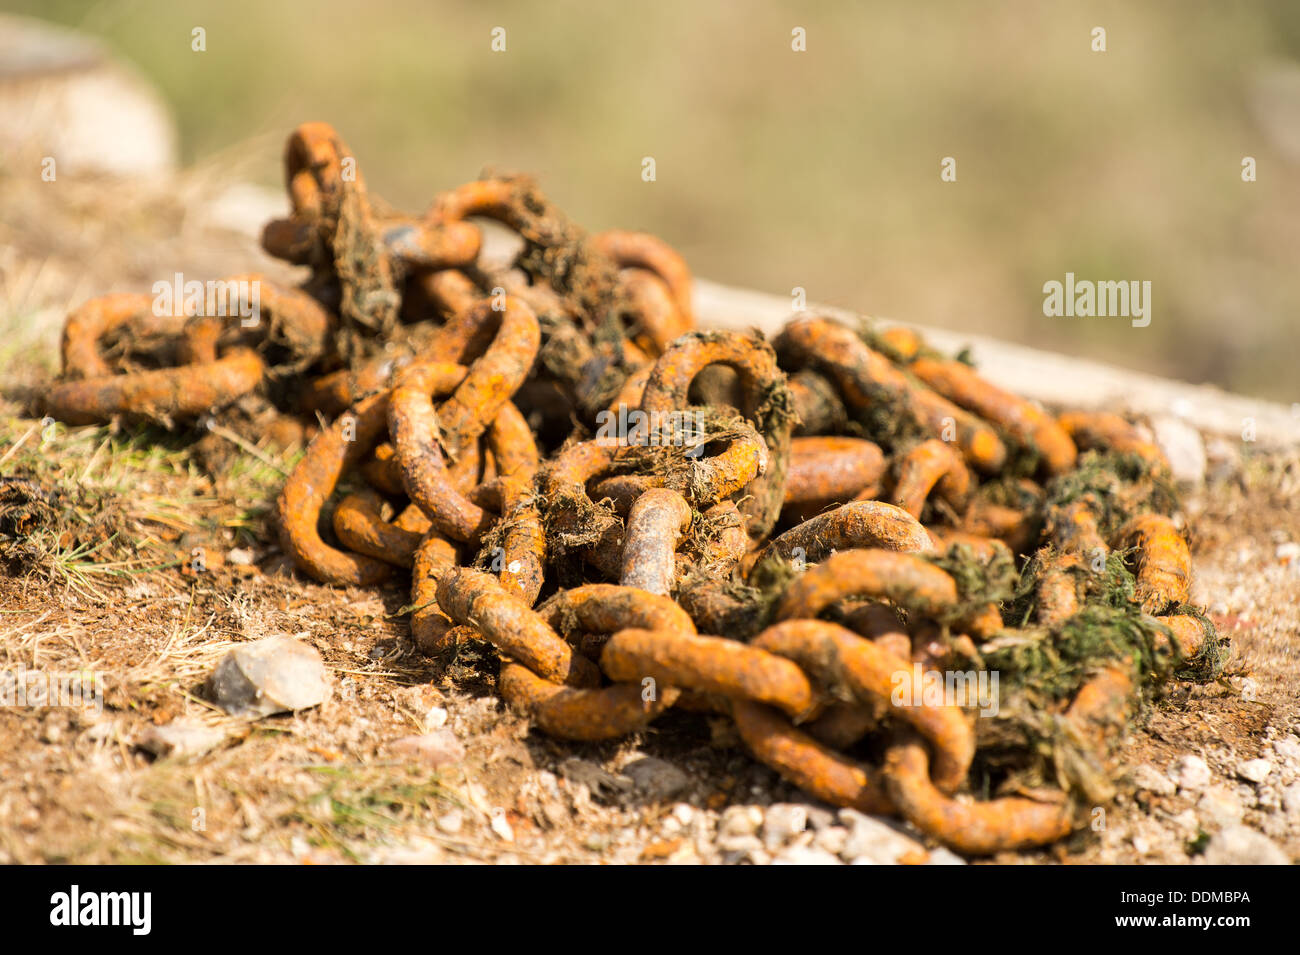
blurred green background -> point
(817, 169)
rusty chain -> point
(792, 537)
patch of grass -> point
(357, 802)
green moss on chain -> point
(1118, 485)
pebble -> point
(452, 822)
(1184, 447)
(275, 675)
(1238, 845)
(501, 826)
(782, 822)
(1220, 806)
(1150, 779)
(437, 749)
(181, 738)
(832, 839)
(805, 855)
(871, 839)
(942, 856)
(1288, 553)
(240, 557)
(656, 779)
(598, 781)
(1191, 772)
(684, 813)
(436, 718)
(1254, 770)
(740, 821)
(819, 818)
(1291, 799)
(1288, 750)
(736, 847)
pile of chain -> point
(635, 516)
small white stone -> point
(805, 855)
(871, 838)
(240, 557)
(683, 813)
(1150, 779)
(1141, 845)
(1291, 799)
(1287, 553)
(740, 821)
(1220, 806)
(782, 822)
(739, 846)
(1184, 447)
(1254, 770)
(1287, 750)
(181, 738)
(501, 826)
(1191, 772)
(436, 718)
(832, 839)
(451, 822)
(942, 856)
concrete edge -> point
(1050, 378)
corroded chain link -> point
(837, 541)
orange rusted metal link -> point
(1022, 419)
(342, 445)
(493, 378)
(906, 580)
(1164, 564)
(92, 321)
(710, 665)
(984, 548)
(605, 608)
(836, 657)
(654, 525)
(976, 828)
(413, 424)
(524, 541)
(817, 404)
(577, 713)
(858, 524)
(865, 377)
(1074, 529)
(476, 599)
(1190, 633)
(832, 469)
(431, 629)
(359, 526)
(1103, 430)
(163, 395)
(656, 317)
(765, 400)
(931, 466)
(800, 759)
(645, 251)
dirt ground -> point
(99, 531)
